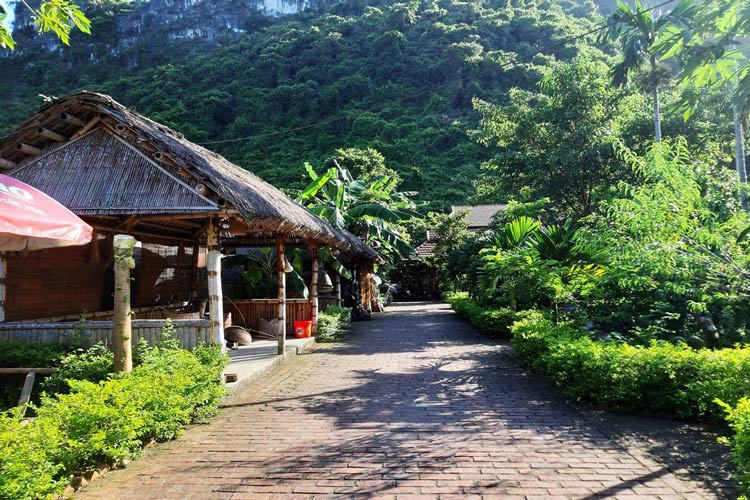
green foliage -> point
(23, 354)
(556, 143)
(706, 44)
(677, 268)
(369, 207)
(395, 77)
(332, 323)
(93, 364)
(662, 378)
(489, 320)
(738, 417)
(57, 16)
(107, 421)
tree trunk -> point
(739, 156)
(281, 294)
(122, 335)
(655, 94)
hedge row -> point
(662, 378)
(493, 322)
(107, 422)
(332, 323)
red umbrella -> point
(31, 220)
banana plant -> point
(370, 208)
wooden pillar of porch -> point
(337, 287)
(281, 294)
(364, 285)
(215, 297)
(314, 287)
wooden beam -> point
(104, 228)
(27, 149)
(73, 120)
(50, 134)
(7, 164)
(281, 293)
(215, 298)
(314, 287)
(41, 371)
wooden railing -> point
(190, 332)
(249, 313)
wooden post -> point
(123, 245)
(364, 286)
(314, 287)
(3, 290)
(281, 297)
(215, 299)
(337, 287)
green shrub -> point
(493, 322)
(93, 364)
(332, 324)
(344, 314)
(31, 458)
(739, 420)
(107, 421)
(662, 377)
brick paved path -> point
(417, 404)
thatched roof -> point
(100, 158)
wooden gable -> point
(103, 174)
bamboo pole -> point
(281, 317)
(215, 299)
(3, 290)
(7, 164)
(28, 149)
(122, 335)
(337, 287)
(314, 287)
(50, 134)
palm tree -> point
(638, 29)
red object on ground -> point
(302, 329)
(31, 220)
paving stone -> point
(417, 405)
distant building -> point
(479, 217)
(416, 278)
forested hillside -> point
(398, 77)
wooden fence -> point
(189, 332)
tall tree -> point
(705, 41)
(557, 143)
(637, 29)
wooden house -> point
(124, 173)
